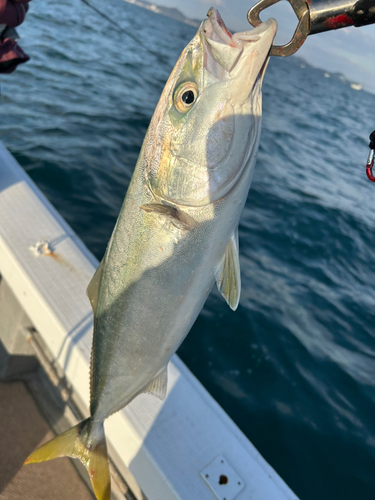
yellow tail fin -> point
(86, 441)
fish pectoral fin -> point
(228, 275)
(177, 217)
(93, 288)
(158, 387)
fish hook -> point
(370, 159)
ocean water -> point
(294, 366)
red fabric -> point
(11, 55)
(13, 12)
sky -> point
(349, 51)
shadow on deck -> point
(22, 429)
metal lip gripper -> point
(317, 16)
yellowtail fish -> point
(176, 232)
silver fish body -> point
(177, 220)
(177, 229)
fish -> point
(177, 231)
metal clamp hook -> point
(302, 30)
(370, 159)
(316, 16)
(370, 165)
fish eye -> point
(185, 96)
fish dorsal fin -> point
(93, 288)
(228, 276)
(158, 387)
(177, 217)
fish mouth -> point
(225, 50)
(215, 30)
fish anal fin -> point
(228, 276)
(94, 285)
(158, 387)
(177, 217)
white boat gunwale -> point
(166, 445)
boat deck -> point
(22, 429)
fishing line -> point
(159, 56)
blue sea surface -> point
(294, 366)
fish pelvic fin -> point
(85, 441)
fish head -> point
(205, 129)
